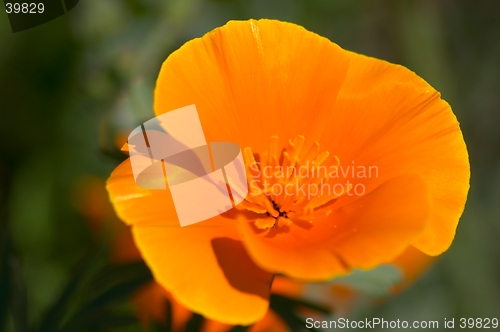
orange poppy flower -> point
(321, 106)
(150, 300)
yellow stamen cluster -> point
(290, 204)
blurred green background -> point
(69, 87)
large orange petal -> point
(150, 300)
(386, 116)
(380, 226)
(253, 79)
(204, 266)
(370, 231)
(136, 205)
(207, 269)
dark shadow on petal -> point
(239, 269)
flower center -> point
(294, 186)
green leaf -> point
(116, 273)
(99, 321)
(4, 277)
(107, 321)
(286, 308)
(195, 323)
(55, 314)
(113, 154)
(118, 292)
(115, 283)
(18, 304)
(376, 282)
(296, 302)
(239, 328)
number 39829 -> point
(25, 8)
